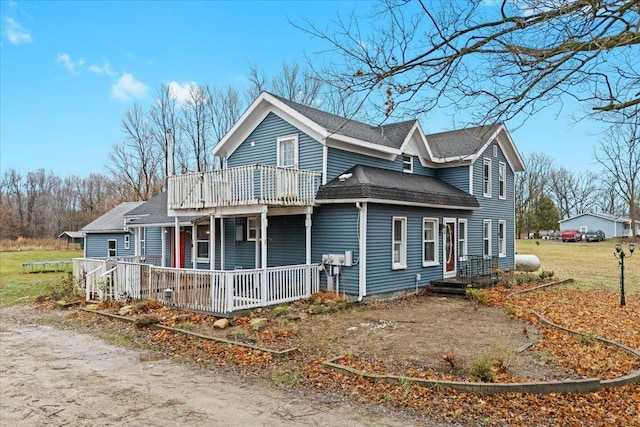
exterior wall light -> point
(621, 255)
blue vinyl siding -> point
(457, 176)
(493, 208)
(381, 277)
(96, 245)
(334, 231)
(153, 241)
(264, 149)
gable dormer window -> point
(495, 150)
(407, 163)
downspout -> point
(362, 249)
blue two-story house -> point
(377, 209)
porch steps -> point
(457, 286)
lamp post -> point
(619, 253)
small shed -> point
(75, 239)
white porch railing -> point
(204, 290)
(244, 185)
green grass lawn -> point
(17, 286)
(592, 264)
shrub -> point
(587, 338)
(544, 274)
(524, 278)
(482, 369)
(478, 295)
(510, 310)
(450, 359)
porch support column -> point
(257, 245)
(307, 226)
(222, 243)
(263, 253)
(176, 242)
(194, 230)
(212, 242)
(163, 250)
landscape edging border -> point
(541, 387)
(279, 353)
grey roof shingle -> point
(154, 211)
(391, 135)
(461, 142)
(381, 184)
(112, 221)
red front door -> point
(450, 248)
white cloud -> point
(128, 87)
(181, 92)
(104, 69)
(68, 63)
(15, 33)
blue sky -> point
(69, 69)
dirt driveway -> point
(51, 376)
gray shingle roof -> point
(112, 221)
(154, 211)
(461, 142)
(390, 135)
(382, 184)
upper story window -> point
(407, 163)
(486, 178)
(495, 150)
(399, 243)
(429, 241)
(502, 180)
(288, 151)
(202, 241)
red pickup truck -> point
(574, 235)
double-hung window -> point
(202, 241)
(112, 248)
(486, 178)
(429, 242)
(462, 239)
(399, 243)
(407, 163)
(288, 151)
(486, 238)
(127, 240)
(502, 180)
(252, 229)
(143, 239)
(502, 238)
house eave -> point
(394, 202)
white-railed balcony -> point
(241, 186)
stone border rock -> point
(544, 387)
(279, 353)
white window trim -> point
(436, 230)
(502, 241)
(281, 139)
(405, 164)
(402, 264)
(115, 248)
(488, 237)
(127, 241)
(486, 161)
(208, 240)
(502, 180)
(462, 254)
(254, 228)
(495, 150)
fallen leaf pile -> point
(593, 313)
